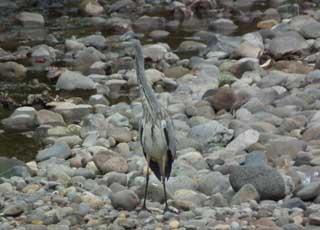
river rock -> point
(109, 161)
(126, 200)
(96, 40)
(222, 98)
(71, 80)
(223, 25)
(187, 199)
(91, 7)
(12, 71)
(94, 123)
(23, 118)
(267, 181)
(85, 58)
(247, 193)
(13, 167)
(287, 42)
(98, 99)
(71, 112)
(29, 19)
(47, 117)
(309, 192)
(156, 52)
(59, 150)
(146, 23)
(244, 140)
(211, 133)
(212, 183)
(311, 30)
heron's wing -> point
(171, 141)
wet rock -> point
(125, 199)
(244, 140)
(288, 42)
(23, 118)
(309, 192)
(247, 49)
(267, 181)
(247, 193)
(59, 150)
(47, 117)
(211, 133)
(29, 19)
(12, 71)
(109, 161)
(70, 80)
(91, 8)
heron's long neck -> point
(145, 88)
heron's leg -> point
(146, 189)
(166, 208)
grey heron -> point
(157, 134)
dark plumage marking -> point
(155, 168)
(169, 155)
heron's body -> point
(157, 135)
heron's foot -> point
(170, 209)
(144, 208)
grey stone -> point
(85, 58)
(125, 199)
(311, 30)
(72, 112)
(247, 193)
(213, 182)
(95, 40)
(6, 187)
(211, 133)
(224, 26)
(14, 210)
(109, 161)
(98, 99)
(276, 149)
(29, 19)
(71, 80)
(13, 167)
(94, 123)
(187, 199)
(294, 202)
(118, 120)
(267, 181)
(59, 150)
(47, 117)
(309, 192)
(244, 140)
(23, 118)
(180, 182)
(12, 71)
(287, 42)
(272, 79)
